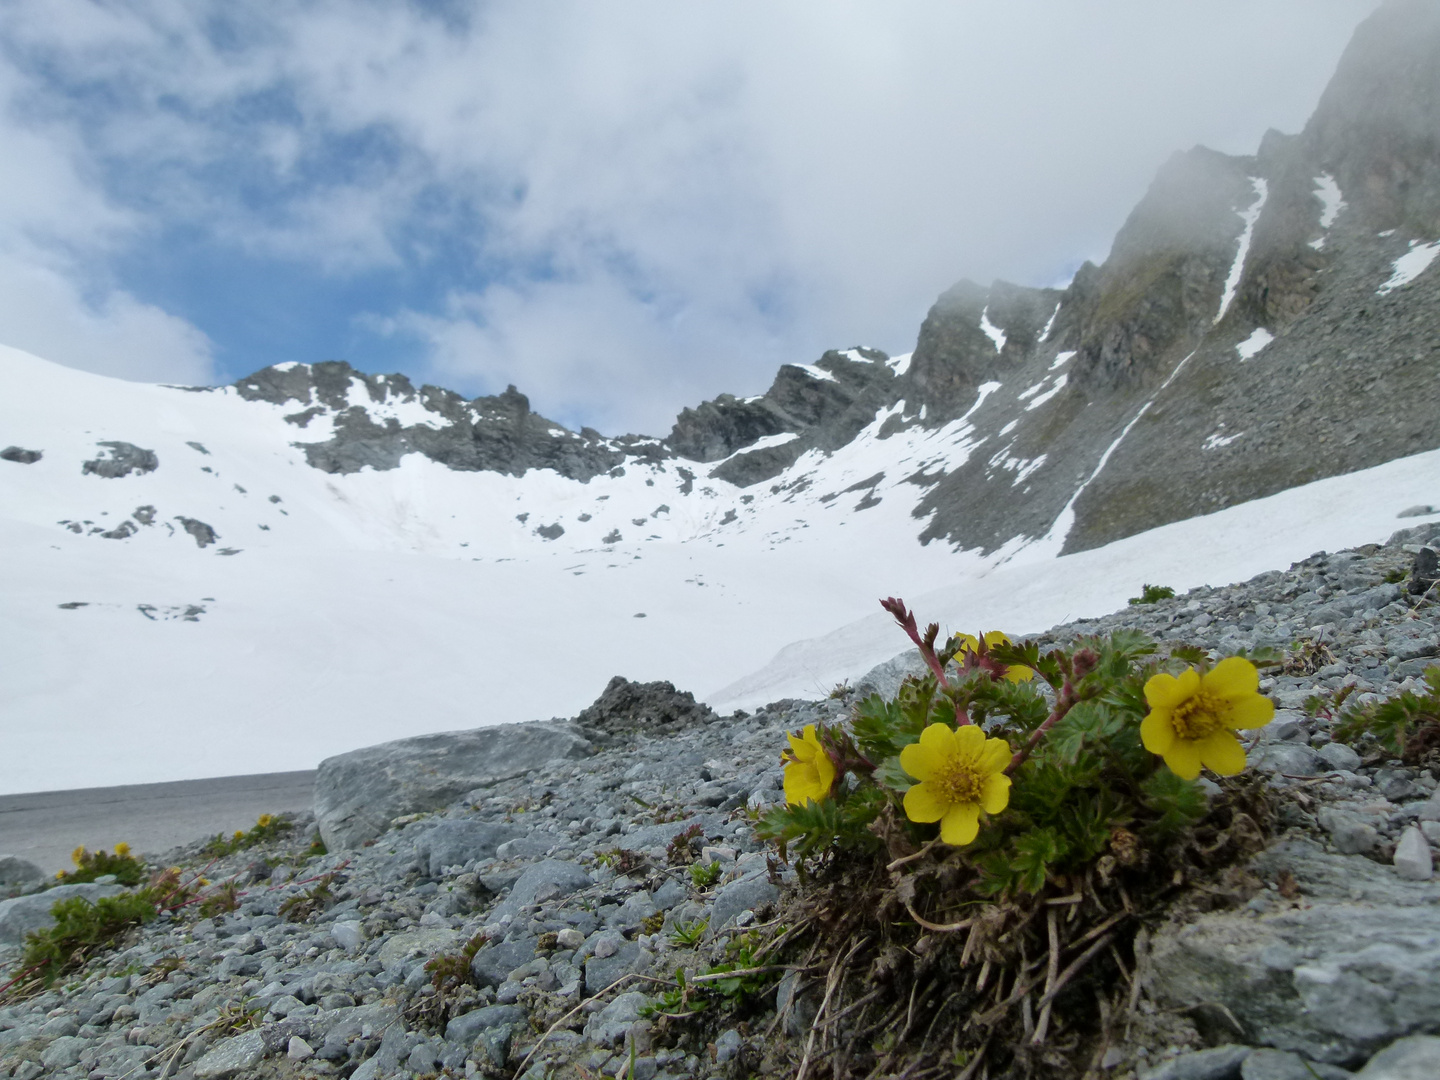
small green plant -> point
(225, 898)
(313, 900)
(653, 924)
(1152, 594)
(704, 876)
(266, 827)
(316, 849)
(688, 935)
(621, 860)
(685, 845)
(1407, 725)
(89, 865)
(82, 929)
(1395, 577)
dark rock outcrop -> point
(122, 459)
(653, 708)
(20, 455)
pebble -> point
(1412, 859)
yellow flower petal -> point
(924, 803)
(1156, 731)
(919, 762)
(1231, 678)
(938, 739)
(1251, 711)
(1165, 691)
(1222, 753)
(969, 740)
(960, 825)
(1183, 757)
(1019, 673)
(995, 795)
(995, 755)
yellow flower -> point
(122, 849)
(265, 821)
(1013, 673)
(809, 772)
(78, 855)
(1192, 718)
(961, 773)
(239, 835)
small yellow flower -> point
(265, 821)
(961, 773)
(239, 835)
(1192, 719)
(122, 849)
(809, 772)
(78, 855)
(1013, 673)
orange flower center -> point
(959, 780)
(1197, 717)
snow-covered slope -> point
(337, 610)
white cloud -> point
(681, 194)
(42, 312)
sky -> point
(622, 209)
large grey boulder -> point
(885, 679)
(23, 914)
(1352, 967)
(358, 794)
(17, 871)
(456, 841)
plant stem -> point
(1064, 702)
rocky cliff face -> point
(1260, 322)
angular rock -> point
(744, 895)
(63, 1052)
(466, 1028)
(1353, 968)
(347, 934)
(1413, 1058)
(23, 914)
(20, 455)
(547, 880)
(493, 963)
(455, 842)
(1287, 758)
(1339, 756)
(424, 942)
(1412, 856)
(1267, 1064)
(358, 794)
(17, 871)
(604, 972)
(231, 1057)
(1218, 1063)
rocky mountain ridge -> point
(1261, 322)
